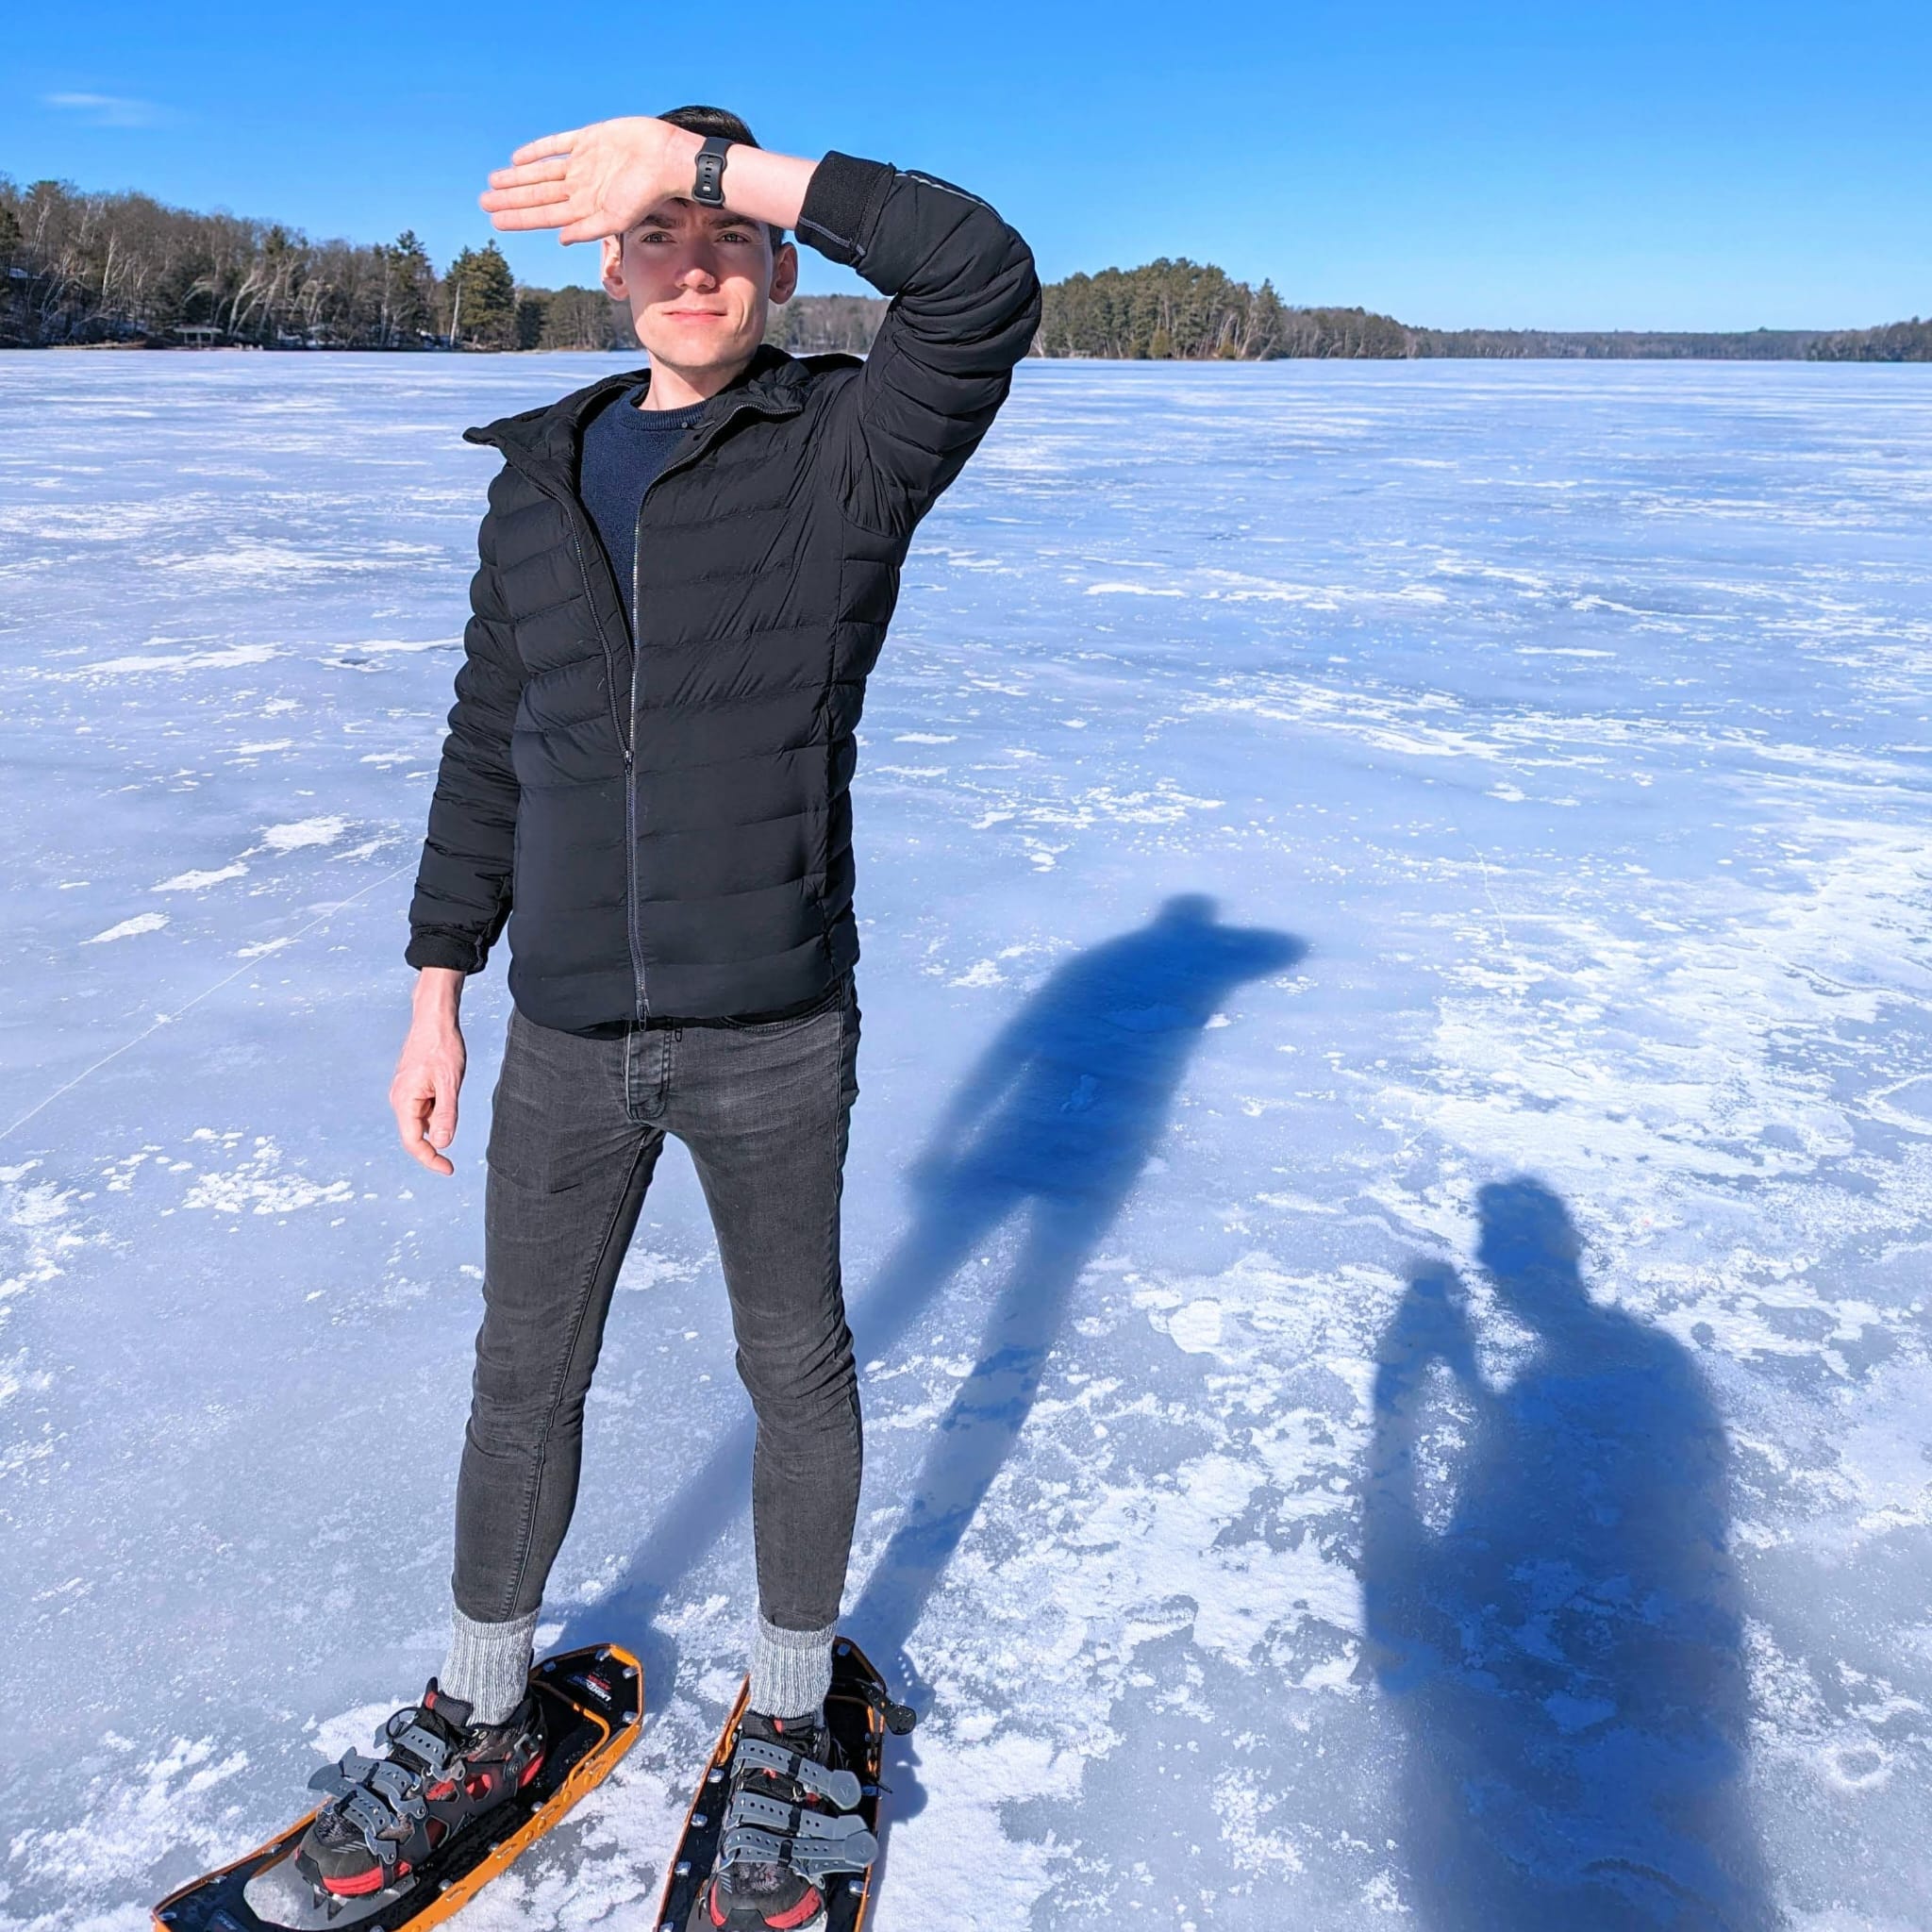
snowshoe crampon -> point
(859, 1713)
(594, 1708)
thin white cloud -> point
(110, 110)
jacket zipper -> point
(636, 670)
(573, 517)
(630, 789)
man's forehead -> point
(680, 211)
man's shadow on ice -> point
(1058, 1122)
(1058, 1119)
(1552, 1608)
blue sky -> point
(1560, 164)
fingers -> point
(424, 1106)
(535, 171)
(550, 145)
(417, 1146)
(591, 227)
(515, 220)
(540, 194)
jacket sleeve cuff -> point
(842, 204)
(428, 948)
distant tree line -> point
(1181, 311)
(107, 268)
(1194, 313)
(812, 324)
(1902, 341)
(80, 268)
(1648, 345)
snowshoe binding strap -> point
(767, 1830)
(810, 1857)
(841, 1787)
(382, 1798)
(426, 1746)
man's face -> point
(699, 282)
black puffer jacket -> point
(671, 824)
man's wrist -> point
(708, 171)
(437, 993)
(759, 185)
(681, 159)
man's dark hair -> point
(706, 122)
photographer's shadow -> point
(1553, 1610)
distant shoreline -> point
(80, 270)
(1525, 358)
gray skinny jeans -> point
(577, 1128)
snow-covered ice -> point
(1277, 1524)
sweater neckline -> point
(680, 418)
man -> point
(686, 578)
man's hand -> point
(593, 181)
(605, 178)
(430, 1074)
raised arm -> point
(965, 310)
(965, 297)
(601, 179)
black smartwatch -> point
(709, 186)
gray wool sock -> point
(488, 1664)
(790, 1670)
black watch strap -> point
(709, 186)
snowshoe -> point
(505, 1786)
(439, 1775)
(784, 1829)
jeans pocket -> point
(835, 996)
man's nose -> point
(699, 273)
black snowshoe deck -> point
(594, 1709)
(855, 1708)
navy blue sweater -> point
(624, 448)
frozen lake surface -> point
(1402, 1395)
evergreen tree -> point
(1263, 331)
(481, 294)
(533, 309)
(408, 293)
(13, 320)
